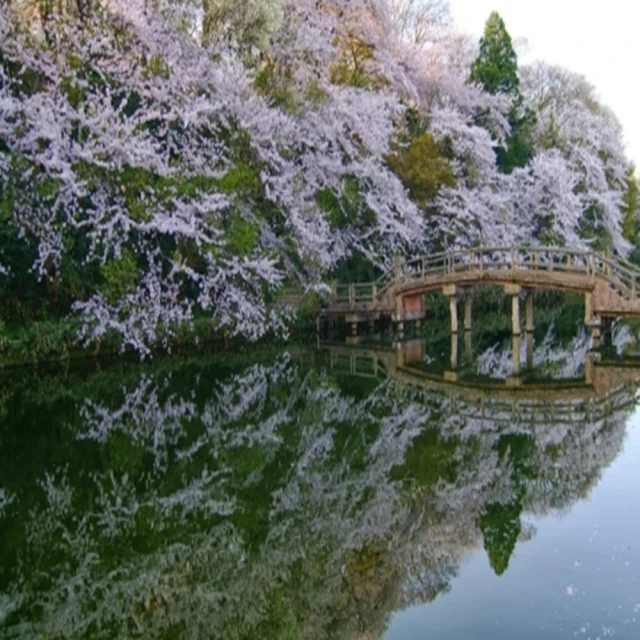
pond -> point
(328, 492)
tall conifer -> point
(496, 69)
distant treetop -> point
(496, 67)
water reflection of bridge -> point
(608, 385)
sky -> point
(600, 40)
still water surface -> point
(325, 493)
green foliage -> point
(241, 179)
(423, 169)
(496, 69)
(315, 94)
(348, 211)
(28, 82)
(37, 341)
(74, 92)
(156, 66)
(25, 296)
(592, 228)
(276, 83)
(352, 68)
(519, 146)
(242, 235)
(121, 275)
(430, 459)
(631, 208)
(307, 313)
(501, 527)
(347, 208)
(247, 24)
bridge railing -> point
(353, 294)
(623, 276)
(620, 276)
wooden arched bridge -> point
(610, 285)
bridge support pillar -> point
(529, 349)
(451, 291)
(596, 334)
(607, 332)
(468, 351)
(515, 354)
(515, 315)
(529, 312)
(467, 312)
(454, 351)
(372, 326)
(588, 308)
(400, 355)
(453, 311)
(354, 329)
(589, 366)
(514, 291)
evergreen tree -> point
(496, 69)
(501, 527)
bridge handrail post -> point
(606, 255)
(396, 270)
(374, 291)
(352, 295)
(634, 286)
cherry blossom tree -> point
(588, 139)
(162, 154)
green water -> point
(325, 493)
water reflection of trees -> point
(559, 357)
(274, 500)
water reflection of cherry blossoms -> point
(552, 357)
(272, 499)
